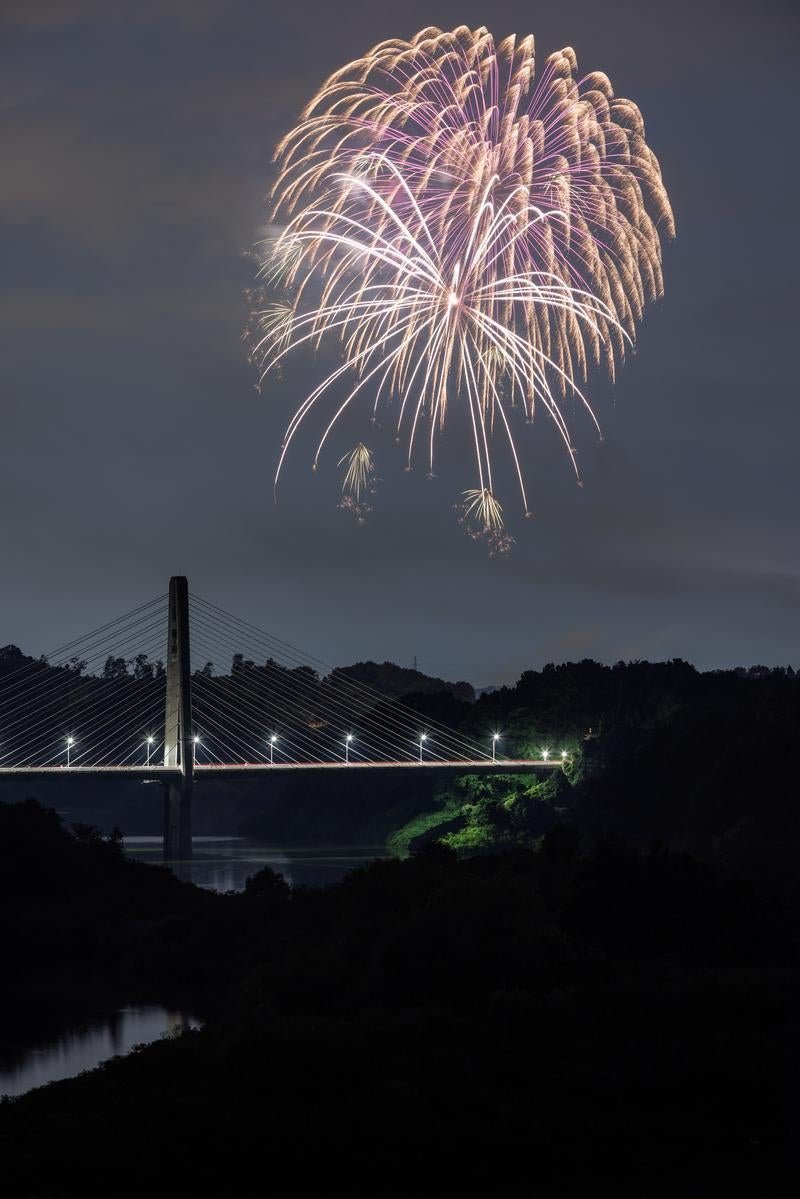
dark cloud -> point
(37, 16)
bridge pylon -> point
(178, 738)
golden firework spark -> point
(359, 473)
(482, 507)
(470, 234)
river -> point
(219, 864)
(86, 1044)
(225, 863)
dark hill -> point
(596, 1019)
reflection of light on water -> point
(87, 1045)
(220, 864)
(225, 863)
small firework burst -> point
(275, 322)
(481, 515)
(481, 508)
(277, 255)
(360, 471)
(359, 482)
(270, 322)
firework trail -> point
(470, 234)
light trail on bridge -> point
(258, 769)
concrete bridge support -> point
(178, 738)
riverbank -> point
(607, 1015)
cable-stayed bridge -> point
(139, 697)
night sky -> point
(135, 143)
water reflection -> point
(225, 863)
(84, 1046)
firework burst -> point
(359, 472)
(470, 234)
(358, 483)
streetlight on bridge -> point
(70, 743)
(347, 741)
(272, 740)
(545, 754)
(195, 743)
(149, 744)
(495, 739)
(423, 737)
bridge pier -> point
(178, 740)
(177, 821)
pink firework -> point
(470, 234)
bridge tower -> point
(178, 742)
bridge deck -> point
(258, 769)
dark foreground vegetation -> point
(601, 1015)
